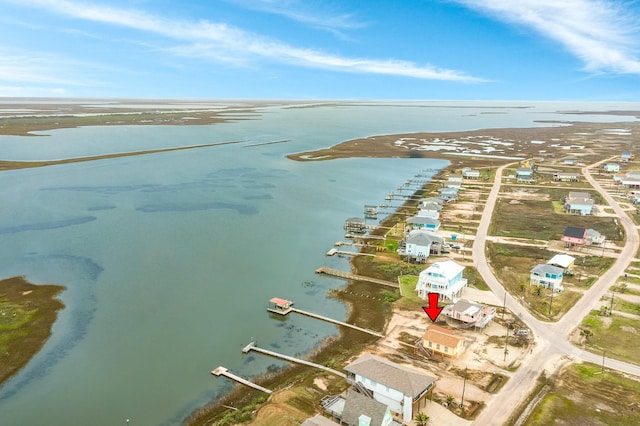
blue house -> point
(579, 203)
(548, 276)
(422, 222)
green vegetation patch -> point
(583, 396)
(537, 219)
(608, 332)
(27, 313)
(512, 266)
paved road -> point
(552, 344)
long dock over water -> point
(333, 321)
(350, 276)
(252, 347)
(221, 371)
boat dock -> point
(252, 347)
(350, 276)
(333, 321)
(335, 251)
(221, 371)
(284, 309)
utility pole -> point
(551, 302)
(603, 353)
(464, 384)
(611, 308)
(506, 343)
(504, 304)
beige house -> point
(443, 342)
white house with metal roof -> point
(444, 278)
(401, 388)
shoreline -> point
(34, 306)
(348, 344)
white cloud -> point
(604, 34)
(40, 68)
(325, 17)
(22, 91)
(223, 42)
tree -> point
(422, 419)
(538, 290)
(450, 400)
(586, 333)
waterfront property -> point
(469, 173)
(403, 389)
(425, 223)
(420, 244)
(448, 194)
(430, 212)
(356, 224)
(548, 276)
(357, 407)
(466, 314)
(279, 306)
(442, 342)
(444, 278)
(319, 420)
(454, 181)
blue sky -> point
(322, 49)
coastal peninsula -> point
(27, 313)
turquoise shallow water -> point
(169, 259)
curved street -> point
(552, 345)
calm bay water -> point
(169, 259)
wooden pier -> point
(252, 347)
(350, 276)
(221, 371)
(284, 311)
(333, 321)
(335, 251)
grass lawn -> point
(409, 299)
(608, 332)
(583, 396)
(512, 265)
(537, 218)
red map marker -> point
(432, 310)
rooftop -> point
(401, 378)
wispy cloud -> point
(325, 16)
(604, 34)
(223, 42)
(40, 68)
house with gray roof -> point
(421, 222)
(548, 276)
(319, 420)
(401, 388)
(420, 244)
(579, 203)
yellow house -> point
(443, 342)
